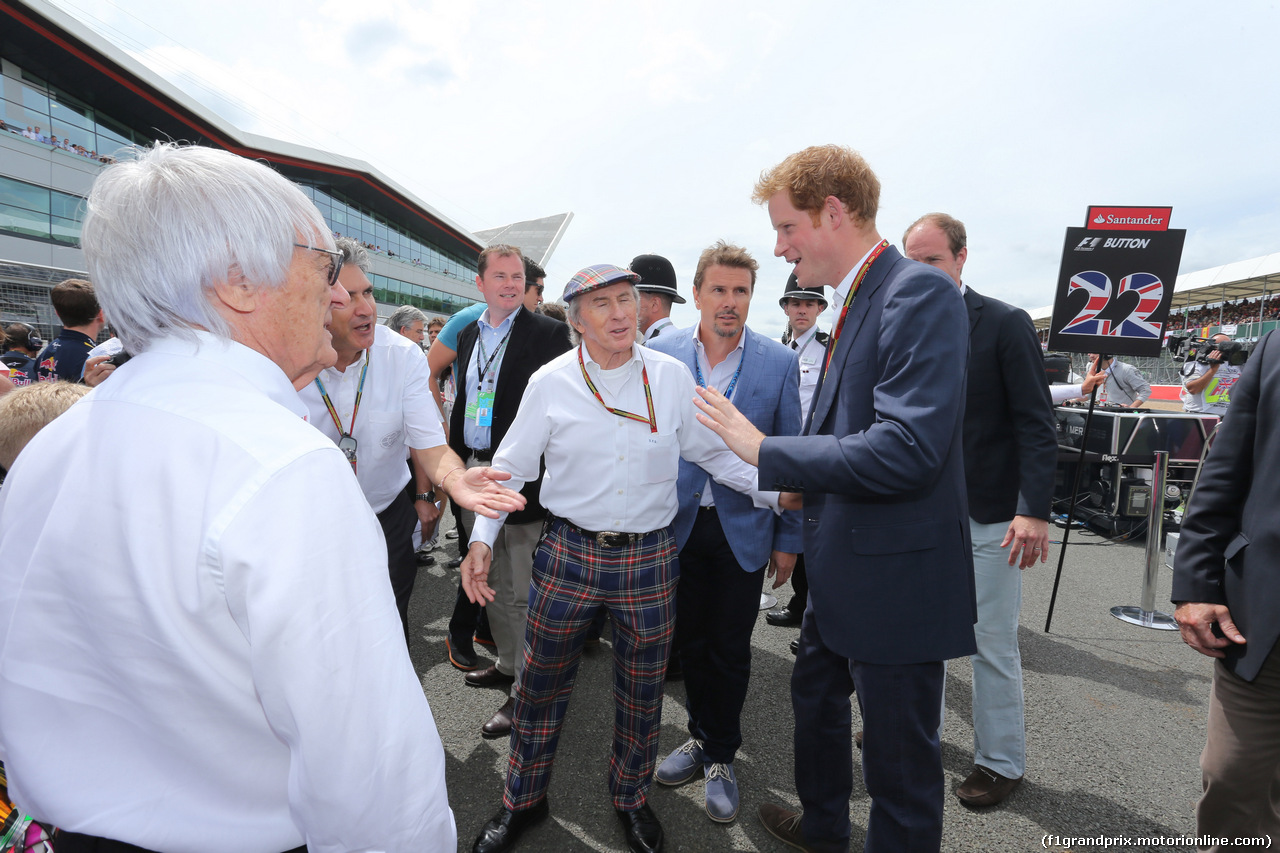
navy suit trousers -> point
(901, 708)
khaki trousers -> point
(510, 573)
(1241, 758)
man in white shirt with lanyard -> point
(802, 306)
(206, 667)
(613, 420)
(376, 405)
(496, 356)
(657, 287)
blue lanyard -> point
(728, 392)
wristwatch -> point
(429, 497)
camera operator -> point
(1207, 381)
(1124, 386)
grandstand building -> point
(70, 101)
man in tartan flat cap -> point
(612, 420)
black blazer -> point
(535, 340)
(1229, 552)
(1010, 444)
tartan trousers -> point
(573, 579)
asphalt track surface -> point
(1115, 723)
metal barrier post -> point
(1146, 614)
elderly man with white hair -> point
(211, 663)
(410, 322)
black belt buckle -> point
(610, 539)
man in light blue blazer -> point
(726, 543)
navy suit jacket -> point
(1229, 552)
(1010, 442)
(768, 393)
(886, 527)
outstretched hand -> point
(722, 418)
(478, 490)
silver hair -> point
(405, 316)
(573, 314)
(353, 253)
(163, 228)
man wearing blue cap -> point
(612, 421)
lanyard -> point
(728, 392)
(497, 351)
(333, 413)
(652, 420)
(848, 300)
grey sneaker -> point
(681, 765)
(722, 792)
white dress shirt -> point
(397, 412)
(200, 650)
(659, 325)
(606, 472)
(812, 355)
(718, 377)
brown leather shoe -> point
(490, 676)
(857, 738)
(783, 824)
(499, 724)
(985, 788)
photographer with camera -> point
(1124, 386)
(1207, 380)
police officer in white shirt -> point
(205, 666)
(802, 306)
(376, 405)
(612, 419)
(658, 292)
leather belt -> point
(482, 455)
(606, 538)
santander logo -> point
(1129, 218)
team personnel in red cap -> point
(612, 420)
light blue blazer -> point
(768, 393)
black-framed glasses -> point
(335, 263)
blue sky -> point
(652, 121)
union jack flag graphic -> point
(1098, 286)
(1150, 290)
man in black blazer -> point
(1226, 583)
(496, 356)
(885, 519)
(1010, 453)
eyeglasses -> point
(335, 262)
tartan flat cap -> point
(596, 276)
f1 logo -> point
(1088, 244)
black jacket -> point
(1010, 444)
(1229, 552)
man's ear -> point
(236, 292)
(833, 211)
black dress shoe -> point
(454, 563)
(783, 617)
(424, 558)
(795, 647)
(501, 833)
(490, 676)
(644, 833)
(461, 654)
(499, 724)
